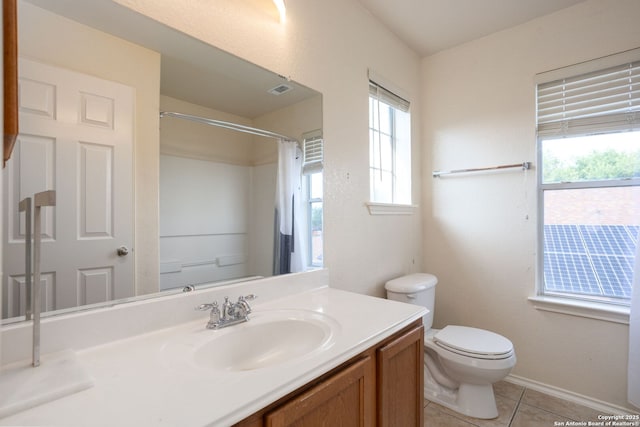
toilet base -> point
(477, 401)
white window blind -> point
(388, 97)
(607, 99)
(313, 153)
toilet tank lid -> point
(411, 283)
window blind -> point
(607, 99)
(313, 154)
(388, 97)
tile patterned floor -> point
(517, 407)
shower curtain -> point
(633, 380)
(289, 252)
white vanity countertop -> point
(137, 382)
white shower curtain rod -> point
(227, 125)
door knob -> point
(123, 251)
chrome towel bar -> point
(523, 166)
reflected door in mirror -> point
(76, 138)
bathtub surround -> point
(210, 243)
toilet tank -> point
(418, 289)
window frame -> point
(401, 191)
(313, 164)
(309, 204)
(377, 167)
(542, 188)
(567, 303)
(570, 303)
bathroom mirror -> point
(192, 204)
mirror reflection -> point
(148, 204)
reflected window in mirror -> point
(314, 182)
(312, 169)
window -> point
(589, 179)
(315, 219)
(389, 147)
(312, 169)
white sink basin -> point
(268, 338)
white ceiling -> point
(220, 81)
(191, 70)
(429, 26)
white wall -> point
(480, 231)
(327, 45)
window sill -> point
(591, 310)
(390, 209)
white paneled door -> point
(76, 137)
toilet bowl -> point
(461, 363)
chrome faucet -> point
(230, 314)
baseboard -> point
(598, 405)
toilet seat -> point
(474, 343)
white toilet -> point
(461, 363)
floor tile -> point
(517, 407)
(434, 417)
(508, 390)
(529, 416)
(506, 408)
(558, 406)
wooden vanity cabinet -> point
(382, 386)
(344, 399)
(400, 379)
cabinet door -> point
(401, 381)
(346, 399)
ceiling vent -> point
(280, 89)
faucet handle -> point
(214, 316)
(244, 305)
(204, 307)
(243, 299)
